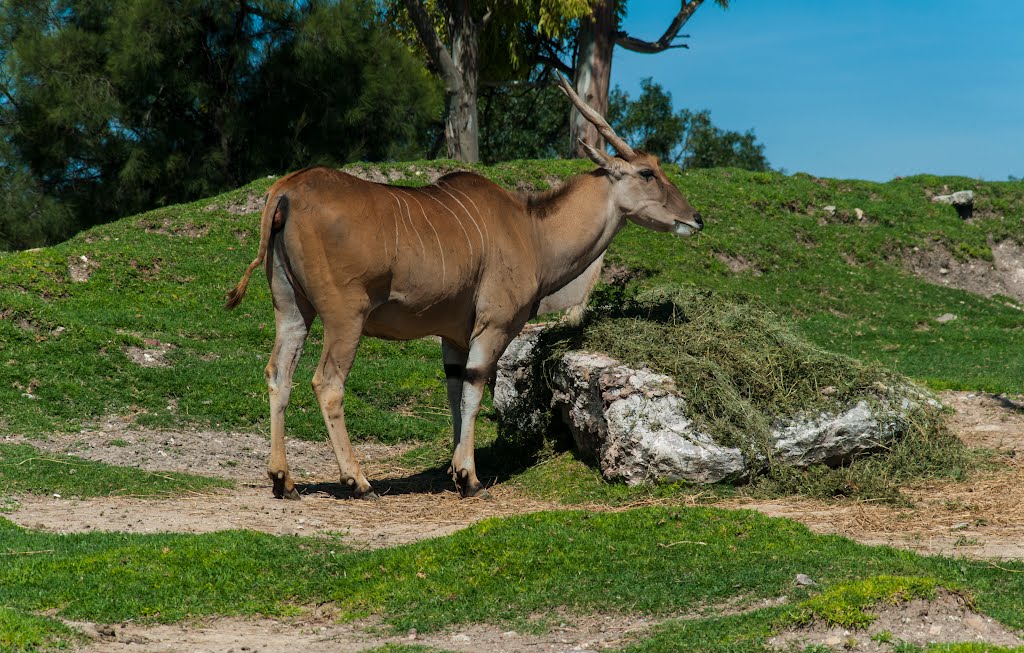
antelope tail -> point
(272, 219)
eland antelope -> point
(463, 259)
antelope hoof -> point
(281, 489)
(369, 495)
(473, 489)
(478, 492)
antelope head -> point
(641, 191)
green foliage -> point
(686, 138)
(24, 469)
(523, 122)
(115, 107)
(30, 219)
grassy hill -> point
(77, 319)
(125, 320)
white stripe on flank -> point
(483, 244)
(440, 249)
(401, 214)
(447, 208)
(423, 246)
(475, 208)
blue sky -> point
(867, 89)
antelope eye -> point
(647, 175)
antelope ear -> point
(616, 167)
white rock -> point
(635, 424)
(961, 197)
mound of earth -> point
(945, 619)
(1003, 275)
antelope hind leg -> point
(292, 316)
(341, 339)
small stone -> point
(460, 637)
(804, 580)
(945, 317)
(412, 634)
(509, 634)
(830, 209)
(859, 213)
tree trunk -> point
(593, 73)
(598, 37)
(459, 69)
(462, 125)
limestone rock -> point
(962, 201)
(636, 426)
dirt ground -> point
(981, 518)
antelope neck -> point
(573, 226)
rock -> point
(831, 439)
(962, 201)
(804, 580)
(945, 317)
(959, 197)
(635, 425)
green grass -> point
(658, 561)
(848, 604)
(26, 633)
(24, 469)
(63, 361)
(840, 280)
(162, 276)
(158, 280)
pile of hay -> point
(741, 369)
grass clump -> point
(846, 605)
(739, 365)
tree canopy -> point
(110, 107)
(687, 138)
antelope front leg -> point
(484, 351)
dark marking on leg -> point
(452, 371)
(474, 376)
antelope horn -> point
(623, 148)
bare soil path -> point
(981, 518)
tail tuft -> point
(268, 222)
(235, 296)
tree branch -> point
(432, 42)
(553, 62)
(686, 9)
